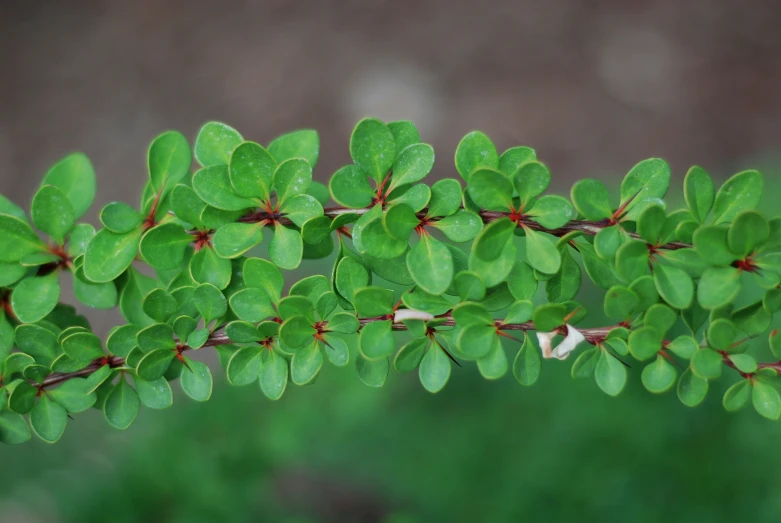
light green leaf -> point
(234, 239)
(373, 148)
(659, 376)
(766, 399)
(541, 252)
(431, 265)
(17, 239)
(286, 248)
(551, 211)
(74, 176)
(475, 150)
(491, 190)
(692, 389)
(742, 191)
(376, 340)
(207, 267)
(13, 428)
(168, 160)
(349, 187)
(109, 254)
(306, 364)
(263, 274)
(674, 285)
(718, 287)
(304, 143)
(610, 374)
(412, 165)
(434, 369)
(164, 246)
(446, 198)
(48, 420)
(530, 180)
(210, 302)
(155, 394)
(75, 395)
(196, 380)
(121, 405)
(251, 171)
(644, 183)
(52, 212)
(301, 208)
(462, 226)
(292, 178)
(213, 186)
(372, 373)
(215, 143)
(35, 297)
(699, 192)
(591, 199)
(273, 376)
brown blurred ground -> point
(593, 85)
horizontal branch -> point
(589, 228)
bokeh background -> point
(593, 85)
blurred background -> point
(594, 86)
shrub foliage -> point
(470, 267)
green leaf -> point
(373, 301)
(120, 218)
(446, 197)
(530, 180)
(155, 394)
(470, 286)
(292, 178)
(82, 346)
(404, 134)
(186, 205)
(372, 373)
(683, 347)
(35, 297)
(608, 240)
(549, 316)
(721, 333)
(718, 287)
(168, 160)
(13, 428)
(22, 398)
(273, 376)
(527, 363)
(121, 340)
(521, 281)
(591, 199)
(296, 332)
(674, 285)
(645, 182)
(706, 363)
(48, 420)
(17, 239)
(765, 398)
(207, 267)
(493, 365)
(213, 186)
(699, 192)
(475, 150)
(234, 239)
(351, 275)
(286, 247)
(349, 187)
(306, 364)
(196, 380)
(301, 208)
(551, 211)
(372, 148)
(244, 365)
(75, 395)
(412, 164)
(742, 191)
(462, 226)
(692, 389)
(610, 374)
(121, 405)
(156, 336)
(645, 342)
(263, 274)
(416, 196)
(541, 252)
(75, 177)
(252, 304)
(513, 157)
(659, 376)
(491, 190)
(109, 254)
(304, 143)
(434, 369)
(410, 355)
(476, 340)
(711, 244)
(744, 362)
(251, 171)
(159, 305)
(747, 230)
(565, 284)
(399, 221)
(632, 260)
(210, 302)
(343, 322)
(215, 143)
(376, 340)
(737, 395)
(620, 303)
(52, 212)
(431, 265)
(37, 341)
(650, 223)
(337, 351)
(660, 317)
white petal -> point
(411, 314)
(573, 339)
(544, 339)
